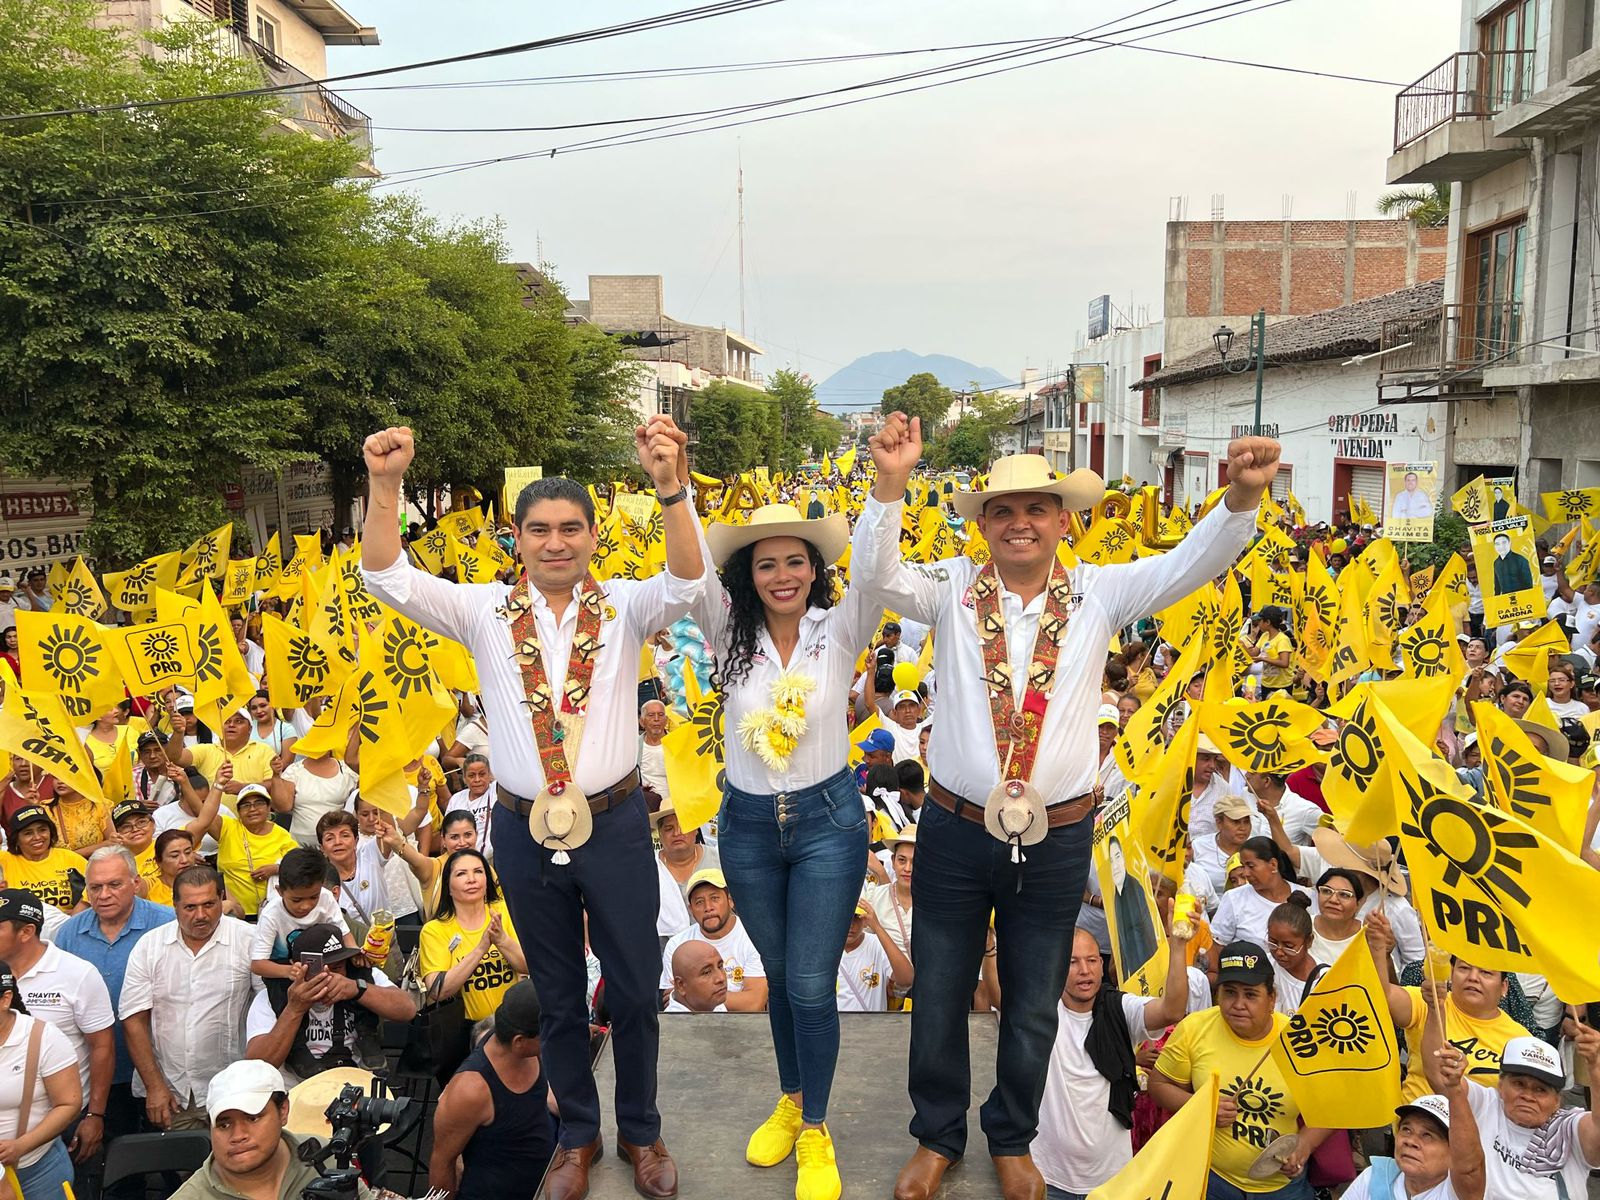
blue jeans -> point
(963, 873)
(795, 863)
(1218, 1188)
(611, 880)
(43, 1180)
(1055, 1193)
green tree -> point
(796, 408)
(826, 434)
(920, 396)
(972, 440)
(1428, 206)
(734, 428)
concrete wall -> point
(1128, 442)
(299, 42)
(626, 301)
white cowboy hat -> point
(1030, 473)
(309, 1099)
(830, 534)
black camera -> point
(355, 1118)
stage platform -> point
(719, 1080)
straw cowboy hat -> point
(309, 1100)
(1030, 473)
(561, 821)
(830, 534)
(1376, 861)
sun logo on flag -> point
(1225, 629)
(1257, 1101)
(1356, 754)
(1343, 1030)
(707, 722)
(1574, 504)
(77, 599)
(69, 657)
(1469, 840)
(162, 647)
(369, 707)
(1513, 777)
(1426, 650)
(405, 659)
(1258, 737)
(1389, 613)
(309, 664)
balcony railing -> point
(1444, 351)
(1474, 85)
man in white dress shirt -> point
(963, 871)
(550, 887)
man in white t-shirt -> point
(866, 968)
(699, 981)
(711, 909)
(1084, 1120)
(652, 758)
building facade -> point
(1118, 432)
(1511, 123)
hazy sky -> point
(975, 219)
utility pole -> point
(1258, 347)
(743, 330)
(1072, 419)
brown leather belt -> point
(598, 803)
(1068, 812)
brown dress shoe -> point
(1019, 1178)
(920, 1178)
(655, 1175)
(568, 1175)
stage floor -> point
(719, 1080)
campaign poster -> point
(1508, 572)
(1413, 493)
(1502, 498)
(1138, 941)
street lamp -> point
(1257, 357)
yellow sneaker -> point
(819, 1173)
(770, 1144)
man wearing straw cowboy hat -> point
(1018, 646)
(571, 834)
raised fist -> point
(389, 452)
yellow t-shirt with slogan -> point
(1273, 676)
(1482, 1042)
(48, 878)
(252, 763)
(240, 852)
(444, 943)
(1201, 1046)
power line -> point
(662, 21)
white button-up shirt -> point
(196, 1000)
(466, 612)
(961, 750)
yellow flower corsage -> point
(774, 732)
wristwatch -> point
(677, 497)
(361, 988)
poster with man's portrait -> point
(1508, 572)
(1413, 489)
(1502, 497)
(1138, 939)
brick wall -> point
(625, 301)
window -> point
(1150, 410)
(1506, 37)
(267, 33)
(1492, 287)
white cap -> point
(902, 696)
(1534, 1058)
(247, 1085)
(1109, 715)
(1434, 1106)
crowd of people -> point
(904, 739)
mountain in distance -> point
(862, 383)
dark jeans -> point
(124, 1115)
(1218, 1188)
(612, 878)
(795, 881)
(962, 872)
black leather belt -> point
(1068, 812)
(600, 802)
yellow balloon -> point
(1340, 546)
(906, 677)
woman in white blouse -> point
(32, 1140)
(1269, 878)
(792, 831)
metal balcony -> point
(1442, 353)
(1443, 123)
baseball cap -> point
(1434, 1106)
(128, 808)
(28, 814)
(185, 704)
(878, 739)
(708, 875)
(1531, 1057)
(148, 739)
(252, 789)
(1108, 715)
(1233, 807)
(862, 908)
(1234, 863)
(1244, 962)
(1549, 560)
(247, 1086)
(19, 904)
(320, 939)
(903, 695)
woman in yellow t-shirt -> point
(1231, 1041)
(250, 846)
(38, 862)
(471, 947)
(1273, 650)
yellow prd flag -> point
(361, 606)
(1317, 615)
(1549, 794)
(55, 580)
(220, 669)
(1137, 749)
(68, 656)
(1359, 783)
(827, 465)
(692, 755)
(307, 559)
(470, 565)
(1351, 655)
(1339, 1055)
(81, 595)
(1386, 613)
(403, 703)
(157, 655)
(1529, 659)
(134, 590)
(208, 554)
(1572, 505)
(330, 732)
(693, 693)
(1271, 736)
(433, 550)
(269, 566)
(1184, 618)
(1493, 889)
(462, 523)
(859, 734)
(1160, 810)
(1109, 540)
(845, 463)
(1429, 647)
(1473, 503)
(36, 726)
(300, 665)
(1222, 646)
(1418, 704)
(608, 557)
(239, 580)
(1175, 1164)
